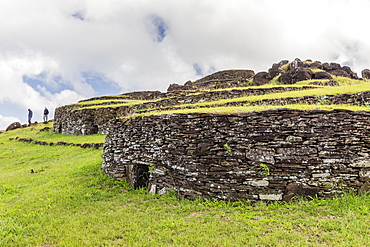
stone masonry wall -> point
(268, 155)
(69, 120)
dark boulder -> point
(315, 64)
(352, 74)
(293, 76)
(261, 78)
(340, 72)
(325, 66)
(288, 78)
(321, 75)
(365, 74)
(347, 69)
(303, 74)
(335, 66)
(273, 72)
(13, 126)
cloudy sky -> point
(56, 52)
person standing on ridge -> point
(46, 113)
(30, 114)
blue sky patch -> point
(9, 109)
(159, 28)
(101, 84)
(54, 86)
(79, 16)
(198, 69)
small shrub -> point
(227, 148)
(265, 170)
(151, 168)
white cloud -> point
(6, 121)
(59, 42)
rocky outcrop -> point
(299, 71)
(268, 155)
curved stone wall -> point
(268, 155)
(72, 121)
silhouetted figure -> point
(46, 113)
(30, 114)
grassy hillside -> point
(67, 201)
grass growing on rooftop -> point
(98, 103)
(319, 91)
(243, 109)
(89, 102)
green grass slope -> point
(68, 201)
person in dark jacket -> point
(46, 113)
(30, 114)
